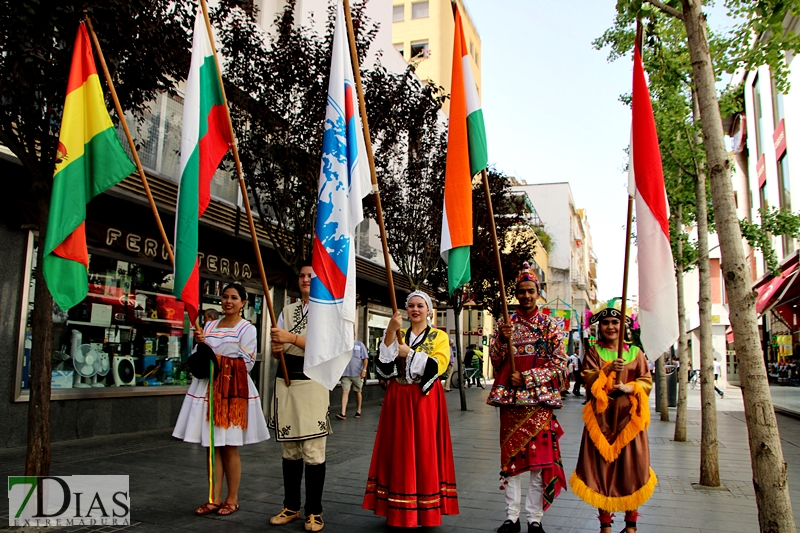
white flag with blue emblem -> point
(343, 181)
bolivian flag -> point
(466, 156)
(89, 161)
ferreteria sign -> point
(61, 501)
(226, 259)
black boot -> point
(315, 482)
(292, 477)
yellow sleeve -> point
(441, 351)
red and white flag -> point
(658, 296)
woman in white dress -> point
(238, 418)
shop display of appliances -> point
(124, 371)
(89, 363)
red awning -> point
(729, 335)
(769, 292)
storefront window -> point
(159, 138)
(130, 336)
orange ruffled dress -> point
(613, 472)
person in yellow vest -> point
(613, 472)
(299, 415)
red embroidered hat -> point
(526, 274)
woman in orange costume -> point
(613, 472)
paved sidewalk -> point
(167, 477)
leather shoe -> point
(535, 527)
(509, 527)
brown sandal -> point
(207, 508)
(228, 508)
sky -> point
(552, 112)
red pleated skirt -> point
(412, 480)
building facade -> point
(572, 262)
(766, 177)
(130, 321)
(422, 32)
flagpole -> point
(623, 305)
(368, 144)
(488, 194)
(124, 124)
(625, 281)
(638, 43)
(243, 187)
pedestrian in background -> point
(477, 363)
(209, 315)
(353, 378)
(717, 372)
(575, 368)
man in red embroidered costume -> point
(527, 396)
(613, 472)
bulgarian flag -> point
(204, 141)
(466, 156)
(90, 160)
(658, 295)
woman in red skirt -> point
(412, 480)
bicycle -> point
(471, 374)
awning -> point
(729, 335)
(772, 289)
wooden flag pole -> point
(488, 194)
(621, 344)
(622, 326)
(124, 124)
(146, 186)
(243, 187)
(368, 144)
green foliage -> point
(146, 45)
(757, 38)
(277, 84)
(512, 230)
(516, 246)
(763, 19)
(668, 65)
(774, 222)
(544, 238)
(410, 143)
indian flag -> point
(466, 156)
(90, 160)
(204, 141)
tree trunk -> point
(683, 352)
(766, 455)
(37, 459)
(709, 456)
(663, 398)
